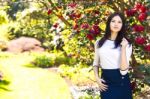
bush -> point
(64, 60)
(43, 61)
(78, 74)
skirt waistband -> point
(114, 77)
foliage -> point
(42, 61)
(3, 17)
(88, 96)
(79, 74)
(4, 21)
(15, 7)
(64, 60)
(54, 59)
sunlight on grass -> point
(31, 83)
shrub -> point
(43, 61)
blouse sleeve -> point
(96, 61)
(128, 57)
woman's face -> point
(115, 24)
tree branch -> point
(59, 15)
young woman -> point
(112, 54)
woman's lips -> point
(116, 27)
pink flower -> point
(140, 40)
(142, 17)
(147, 47)
(138, 28)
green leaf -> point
(148, 13)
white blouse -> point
(108, 58)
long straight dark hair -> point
(121, 33)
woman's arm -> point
(126, 52)
(96, 62)
(96, 66)
(123, 64)
(96, 72)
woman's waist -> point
(110, 66)
(113, 76)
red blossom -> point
(130, 12)
(90, 36)
(142, 17)
(143, 9)
(95, 30)
(147, 47)
(72, 15)
(140, 40)
(138, 28)
(85, 26)
(96, 11)
(138, 6)
(78, 31)
(49, 11)
(75, 26)
(96, 22)
(72, 5)
(92, 31)
(78, 15)
(96, 27)
(55, 25)
(75, 15)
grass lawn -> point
(30, 83)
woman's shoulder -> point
(97, 43)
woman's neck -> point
(113, 36)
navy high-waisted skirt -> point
(118, 85)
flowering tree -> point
(86, 22)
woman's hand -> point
(102, 86)
(124, 42)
